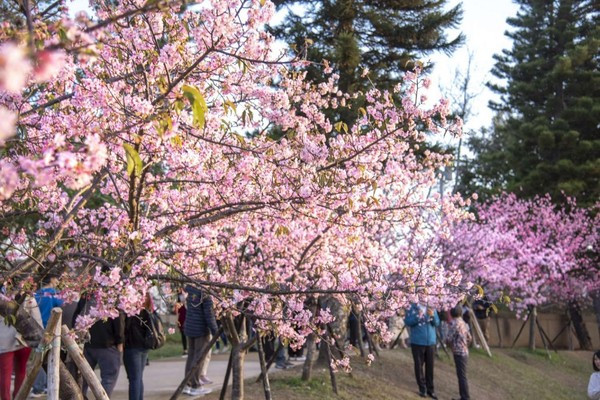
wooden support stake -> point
(86, 371)
(497, 318)
(444, 347)
(54, 358)
(263, 368)
(537, 322)
(226, 379)
(521, 330)
(38, 357)
(196, 368)
(478, 332)
(331, 371)
(395, 342)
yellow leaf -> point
(479, 290)
(134, 162)
(198, 104)
(229, 105)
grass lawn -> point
(509, 374)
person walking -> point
(594, 384)
(135, 353)
(459, 339)
(200, 324)
(104, 347)
(422, 322)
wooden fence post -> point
(38, 358)
(86, 371)
(54, 358)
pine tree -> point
(386, 37)
(548, 137)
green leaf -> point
(164, 124)
(198, 104)
(134, 162)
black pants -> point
(423, 355)
(183, 339)
(354, 327)
(461, 374)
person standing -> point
(47, 299)
(422, 322)
(135, 353)
(14, 352)
(180, 310)
(481, 308)
(200, 324)
(104, 347)
(594, 384)
(459, 339)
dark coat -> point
(103, 334)
(200, 317)
(135, 330)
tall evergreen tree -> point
(384, 36)
(546, 138)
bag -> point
(154, 337)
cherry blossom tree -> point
(531, 250)
(135, 150)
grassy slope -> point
(510, 374)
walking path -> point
(162, 377)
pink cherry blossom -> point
(15, 67)
(8, 121)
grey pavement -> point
(162, 377)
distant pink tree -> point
(532, 250)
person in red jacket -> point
(180, 310)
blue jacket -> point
(200, 317)
(422, 326)
(47, 300)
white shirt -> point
(594, 386)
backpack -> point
(154, 337)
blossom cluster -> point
(158, 163)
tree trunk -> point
(532, 319)
(240, 344)
(339, 327)
(68, 389)
(310, 355)
(312, 305)
(237, 387)
(263, 368)
(596, 299)
(583, 336)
